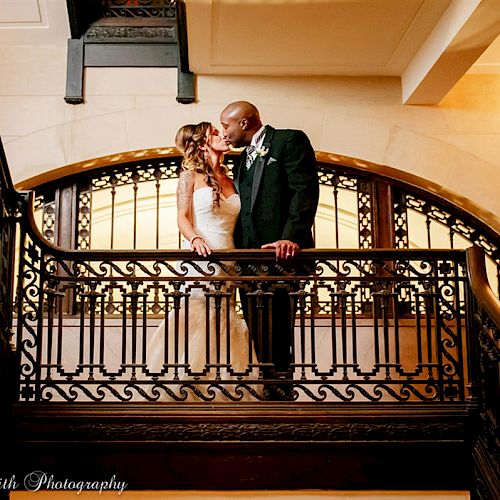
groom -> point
(278, 185)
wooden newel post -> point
(66, 221)
(383, 215)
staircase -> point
(394, 383)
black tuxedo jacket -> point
(284, 192)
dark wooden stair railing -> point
(485, 359)
(9, 203)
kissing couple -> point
(270, 203)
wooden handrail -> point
(478, 279)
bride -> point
(206, 343)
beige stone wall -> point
(455, 144)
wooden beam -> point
(185, 87)
(465, 31)
(74, 77)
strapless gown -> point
(212, 341)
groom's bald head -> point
(240, 120)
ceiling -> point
(340, 37)
(429, 44)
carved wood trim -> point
(242, 423)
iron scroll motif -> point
(139, 8)
(371, 326)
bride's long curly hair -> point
(189, 140)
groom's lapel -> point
(238, 166)
(259, 165)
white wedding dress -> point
(224, 366)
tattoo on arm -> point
(185, 188)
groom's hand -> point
(285, 249)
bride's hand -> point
(200, 246)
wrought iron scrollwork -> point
(351, 342)
(139, 8)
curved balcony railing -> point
(361, 206)
(371, 325)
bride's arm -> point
(185, 189)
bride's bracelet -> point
(194, 238)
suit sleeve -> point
(303, 185)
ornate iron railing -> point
(138, 8)
(372, 325)
(352, 212)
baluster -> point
(113, 181)
(207, 332)
(336, 181)
(384, 298)
(134, 295)
(458, 322)
(81, 346)
(428, 226)
(255, 311)
(177, 296)
(397, 347)
(266, 306)
(39, 258)
(354, 332)
(102, 332)
(438, 340)
(313, 297)
(186, 331)
(343, 329)
(156, 308)
(93, 296)
(135, 180)
(216, 296)
(229, 361)
(418, 319)
(166, 329)
(376, 347)
(157, 176)
(301, 302)
(144, 332)
(428, 301)
(51, 294)
(124, 330)
(249, 326)
(333, 326)
(60, 331)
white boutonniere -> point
(262, 152)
